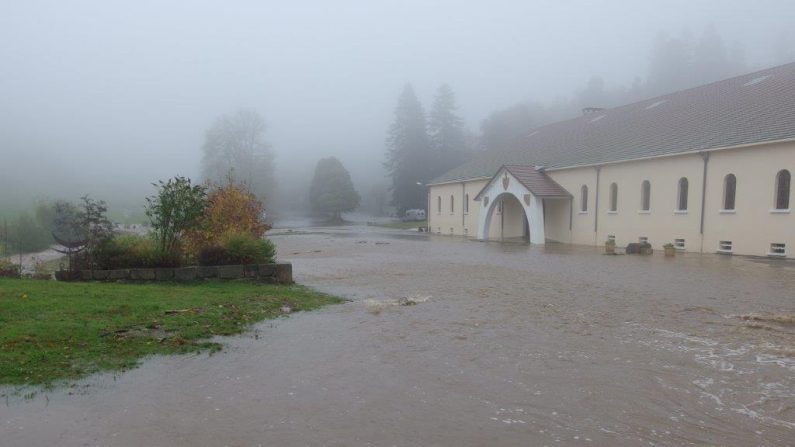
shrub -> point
(214, 255)
(238, 248)
(230, 209)
(177, 208)
(246, 249)
(132, 251)
(8, 269)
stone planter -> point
(669, 250)
(273, 273)
(610, 248)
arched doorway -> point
(506, 219)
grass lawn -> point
(51, 331)
(398, 225)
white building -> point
(707, 169)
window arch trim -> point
(613, 198)
(645, 196)
(584, 198)
(729, 192)
(782, 192)
(683, 185)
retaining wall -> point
(275, 273)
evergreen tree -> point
(594, 94)
(710, 58)
(332, 190)
(408, 158)
(671, 64)
(446, 130)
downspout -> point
(596, 206)
(428, 212)
(705, 156)
(571, 213)
(464, 206)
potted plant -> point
(610, 246)
(670, 250)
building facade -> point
(708, 169)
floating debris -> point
(375, 307)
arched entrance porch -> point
(520, 211)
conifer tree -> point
(332, 190)
(446, 130)
(408, 158)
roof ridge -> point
(650, 99)
(721, 114)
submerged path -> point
(509, 345)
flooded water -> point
(507, 345)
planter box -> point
(251, 270)
(275, 273)
(208, 272)
(231, 271)
(186, 273)
(115, 275)
(284, 274)
(266, 270)
(164, 274)
(142, 274)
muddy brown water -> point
(515, 345)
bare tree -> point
(235, 149)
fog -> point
(106, 97)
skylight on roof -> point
(532, 133)
(658, 103)
(755, 81)
(597, 118)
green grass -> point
(52, 331)
(399, 225)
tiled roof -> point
(535, 181)
(747, 109)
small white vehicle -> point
(414, 215)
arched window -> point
(439, 204)
(782, 189)
(613, 197)
(681, 201)
(583, 198)
(452, 204)
(466, 203)
(645, 196)
(729, 191)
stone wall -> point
(275, 273)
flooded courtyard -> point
(506, 344)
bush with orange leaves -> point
(230, 209)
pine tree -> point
(446, 131)
(332, 190)
(408, 158)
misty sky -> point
(128, 88)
